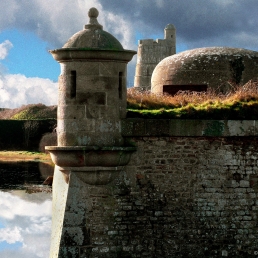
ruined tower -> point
(150, 53)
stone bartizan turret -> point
(92, 87)
(150, 53)
(91, 104)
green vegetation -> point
(240, 103)
(30, 112)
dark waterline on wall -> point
(21, 175)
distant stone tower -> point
(150, 53)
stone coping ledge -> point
(91, 169)
(90, 148)
(138, 127)
(71, 54)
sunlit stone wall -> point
(193, 194)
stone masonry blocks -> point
(178, 197)
(179, 127)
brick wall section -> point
(178, 197)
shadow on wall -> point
(26, 134)
(48, 139)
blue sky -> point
(29, 28)
(28, 46)
(25, 224)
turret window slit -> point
(120, 86)
(73, 84)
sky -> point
(29, 28)
(25, 224)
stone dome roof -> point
(212, 66)
(170, 27)
(93, 36)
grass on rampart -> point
(241, 102)
(30, 112)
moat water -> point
(25, 209)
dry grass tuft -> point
(148, 100)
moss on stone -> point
(232, 111)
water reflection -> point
(25, 210)
(21, 175)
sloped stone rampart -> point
(187, 195)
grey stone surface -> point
(91, 104)
(178, 197)
(177, 127)
(92, 87)
(216, 67)
(190, 189)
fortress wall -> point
(191, 197)
(190, 190)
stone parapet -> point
(132, 127)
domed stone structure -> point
(93, 36)
(197, 69)
(92, 87)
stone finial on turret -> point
(93, 22)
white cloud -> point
(10, 235)
(12, 206)
(4, 49)
(26, 222)
(57, 25)
(17, 90)
(121, 28)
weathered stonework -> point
(92, 87)
(178, 127)
(190, 197)
(150, 53)
(216, 67)
(91, 150)
(190, 189)
(178, 197)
